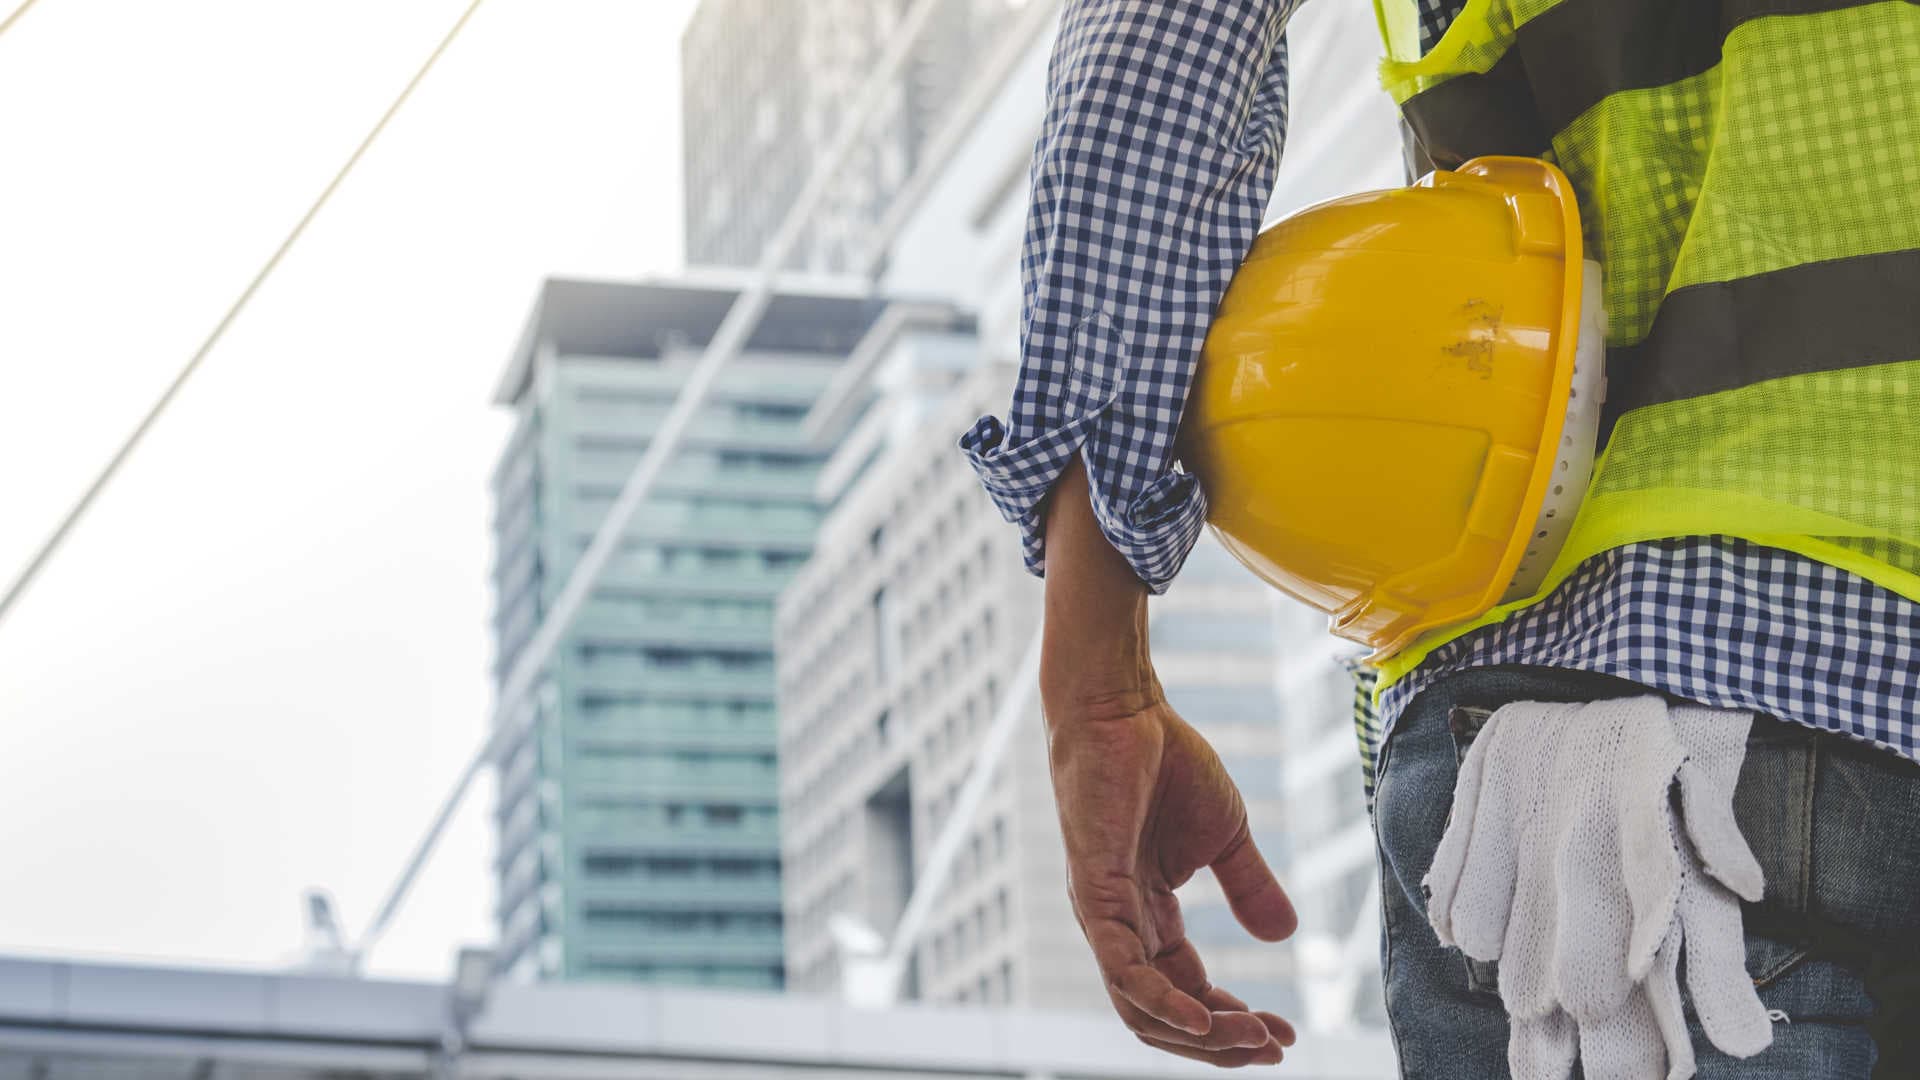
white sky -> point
(263, 657)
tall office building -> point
(638, 824)
(894, 648)
(766, 84)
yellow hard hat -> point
(1395, 411)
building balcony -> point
(633, 628)
(642, 735)
(699, 892)
(670, 682)
(783, 485)
(598, 833)
(617, 943)
(750, 584)
(719, 788)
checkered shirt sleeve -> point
(1156, 159)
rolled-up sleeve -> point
(1163, 130)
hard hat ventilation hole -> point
(1579, 436)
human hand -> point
(1144, 803)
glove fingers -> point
(1625, 1045)
(1618, 876)
(1483, 899)
(1723, 995)
(1530, 932)
(1716, 742)
(1591, 952)
(1542, 1047)
(1707, 808)
(1662, 987)
(1449, 859)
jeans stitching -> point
(1386, 912)
(1803, 830)
(1772, 974)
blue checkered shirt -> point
(1156, 160)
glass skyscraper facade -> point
(638, 831)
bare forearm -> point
(1094, 660)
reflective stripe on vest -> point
(1749, 176)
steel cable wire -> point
(52, 544)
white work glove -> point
(1564, 862)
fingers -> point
(1182, 966)
(1716, 744)
(1123, 963)
(1724, 998)
(1484, 897)
(1230, 1030)
(1669, 1014)
(1542, 1047)
(1155, 1008)
(1449, 858)
(1220, 1000)
(1228, 1010)
(1269, 1054)
(1256, 898)
(1707, 810)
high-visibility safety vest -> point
(1748, 174)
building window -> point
(883, 658)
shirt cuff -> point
(1154, 528)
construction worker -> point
(1687, 755)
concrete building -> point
(765, 86)
(1331, 873)
(638, 819)
(893, 647)
(68, 1020)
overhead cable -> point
(14, 16)
(53, 542)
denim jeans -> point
(1834, 947)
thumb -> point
(1257, 899)
(1707, 808)
(1716, 745)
